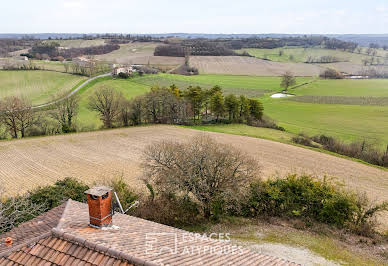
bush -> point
(360, 150)
(17, 210)
(62, 190)
(311, 199)
(265, 122)
(123, 75)
(126, 195)
(304, 140)
(202, 169)
(331, 74)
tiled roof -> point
(33, 228)
(53, 250)
(135, 241)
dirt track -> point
(93, 156)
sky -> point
(198, 16)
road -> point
(72, 92)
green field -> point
(300, 55)
(37, 86)
(346, 87)
(347, 109)
(346, 120)
(79, 43)
(89, 120)
(251, 86)
(245, 130)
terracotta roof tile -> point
(33, 228)
(66, 239)
(45, 253)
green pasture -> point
(37, 86)
(88, 119)
(300, 55)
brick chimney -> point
(100, 206)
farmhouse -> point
(90, 234)
(122, 69)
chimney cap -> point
(98, 191)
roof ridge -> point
(20, 246)
(100, 248)
(62, 219)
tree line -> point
(52, 51)
(172, 105)
(19, 118)
(161, 105)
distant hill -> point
(362, 39)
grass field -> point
(245, 130)
(247, 85)
(340, 117)
(78, 43)
(252, 86)
(348, 109)
(301, 55)
(347, 122)
(37, 86)
(89, 120)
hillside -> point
(107, 154)
(240, 65)
(38, 86)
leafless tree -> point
(17, 115)
(66, 66)
(288, 80)
(202, 167)
(106, 102)
(15, 210)
(125, 112)
(65, 112)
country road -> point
(72, 92)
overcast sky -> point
(194, 16)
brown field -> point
(354, 69)
(240, 65)
(102, 155)
(105, 154)
(143, 54)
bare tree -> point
(203, 168)
(288, 80)
(66, 66)
(25, 116)
(16, 210)
(65, 112)
(17, 115)
(106, 102)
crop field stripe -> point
(345, 100)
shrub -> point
(17, 210)
(203, 169)
(62, 190)
(311, 199)
(360, 150)
(126, 195)
(304, 140)
(331, 74)
(123, 75)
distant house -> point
(21, 58)
(122, 69)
